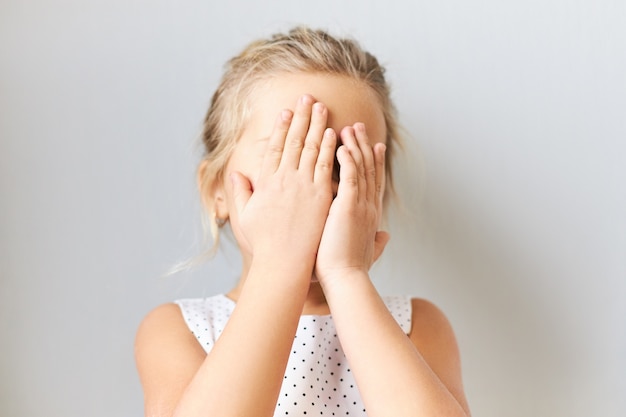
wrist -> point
(343, 279)
(285, 268)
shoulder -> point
(427, 318)
(431, 331)
(167, 356)
(167, 312)
(161, 321)
(161, 329)
(165, 348)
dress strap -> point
(401, 309)
(206, 317)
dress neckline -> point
(233, 303)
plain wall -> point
(514, 205)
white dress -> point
(318, 380)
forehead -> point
(348, 101)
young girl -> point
(298, 141)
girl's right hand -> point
(282, 217)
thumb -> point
(242, 190)
(380, 241)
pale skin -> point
(311, 254)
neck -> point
(315, 303)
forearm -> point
(243, 373)
(393, 377)
(278, 222)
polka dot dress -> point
(318, 380)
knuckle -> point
(274, 149)
(324, 165)
(295, 143)
(311, 145)
(351, 181)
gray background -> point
(513, 218)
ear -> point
(211, 188)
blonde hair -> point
(299, 50)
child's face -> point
(348, 101)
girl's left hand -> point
(351, 241)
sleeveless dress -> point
(318, 380)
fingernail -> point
(306, 99)
(349, 130)
(318, 107)
(286, 115)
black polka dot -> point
(309, 359)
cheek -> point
(248, 166)
(251, 174)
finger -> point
(348, 176)
(380, 150)
(297, 132)
(313, 140)
(276, 144)
(369, 167)
(349, 140)
(242, 190)
(326, 158)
